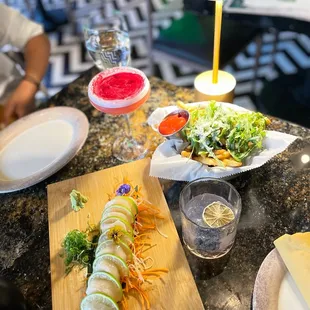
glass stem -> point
(127, 119)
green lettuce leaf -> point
(214, 127)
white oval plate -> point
(38, 145)
(275, 288)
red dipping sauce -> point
(172, 123)
(119, 86)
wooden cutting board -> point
(176, 290)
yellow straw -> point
(217, 40)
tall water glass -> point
(108, 42)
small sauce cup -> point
(176, 132)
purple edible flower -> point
(123, 190)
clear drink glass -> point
(201, 239)
(108, 42)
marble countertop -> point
(275, 201)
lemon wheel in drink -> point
(217, 215)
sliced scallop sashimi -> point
(114, 221)
(103, 282)
(98, 301)
(119, 249)
(110, 213)
(124, 201)
(104, 265)
(120, 209)
(110, 262)
(117, 234)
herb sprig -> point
(79, 249)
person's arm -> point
(27, 36)
(21, 102)
(36, 53)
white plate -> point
(275, 288)
(38, 145)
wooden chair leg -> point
(259, 44)
(71, 17)
(150, 37)
(274, 46)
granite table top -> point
(275, 201)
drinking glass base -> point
(208, 255)
(128, 149)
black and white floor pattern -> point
(69, 57)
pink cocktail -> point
(117, 91)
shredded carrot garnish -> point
(124, 303)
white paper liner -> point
(167, 162)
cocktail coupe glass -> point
(109, 46)
(120, 91)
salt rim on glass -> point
(118, 103)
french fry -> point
(183, 106)
(222, 154)
(219, 152)
(206, 160)
(186, 154)
(226, 155)
(187, 107)
(231, 162)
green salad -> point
(215, 130)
